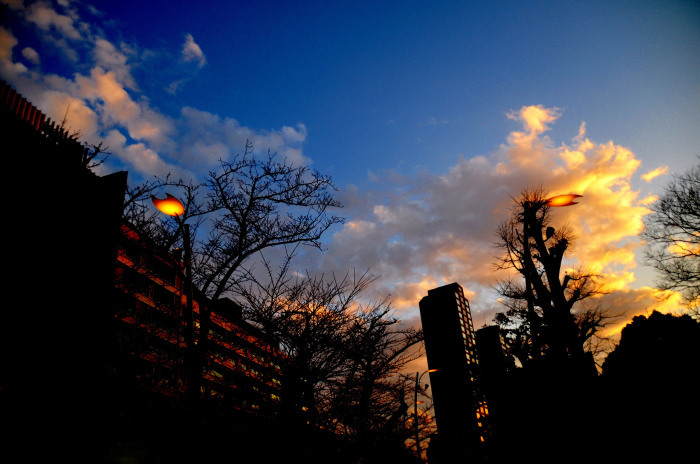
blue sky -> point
(428, 115)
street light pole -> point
(415, 409)
(415, 416)
(171, 206)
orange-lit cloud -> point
(625, 304)
(651, 175)
(436, 229)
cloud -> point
(7, 43)
(46, 18)
(191, 52)
(431, 230)
(113, 103)
(141, 157)
(78, 115)
(207, 137)
(101, 96)
(107, 56)
(31, 55)
(8, 68)
(627, 303)
(415, 232)
(651, 175)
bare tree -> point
(378, 348)
(344, 355)
(247, 206)
(672, 233)
(542, 317)
(308, 315)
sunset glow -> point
(413, 152)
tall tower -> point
(450, 346)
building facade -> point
(241, 370)
(461, 413)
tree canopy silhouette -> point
(344, 353)
(672, 233)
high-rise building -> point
(460, 411)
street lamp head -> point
(562, 200)
(170, 205)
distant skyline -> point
(428, 115)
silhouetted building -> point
(63, 226)
(242, 370)
(461, 412)
(94, 340)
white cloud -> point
(108, 57)
(192, 52)
(106, 102)
(31, 55)
(206, 137)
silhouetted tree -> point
(542, 317)
(344, 355)
(672, 233)
(657, 348)
(368, 401)
(651, 379)
(248, 205)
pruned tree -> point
(672, 235)
(542, 317)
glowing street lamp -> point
(563, 200)
(170, 205)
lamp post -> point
(415, 408)
(171, 206)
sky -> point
(429, 116)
